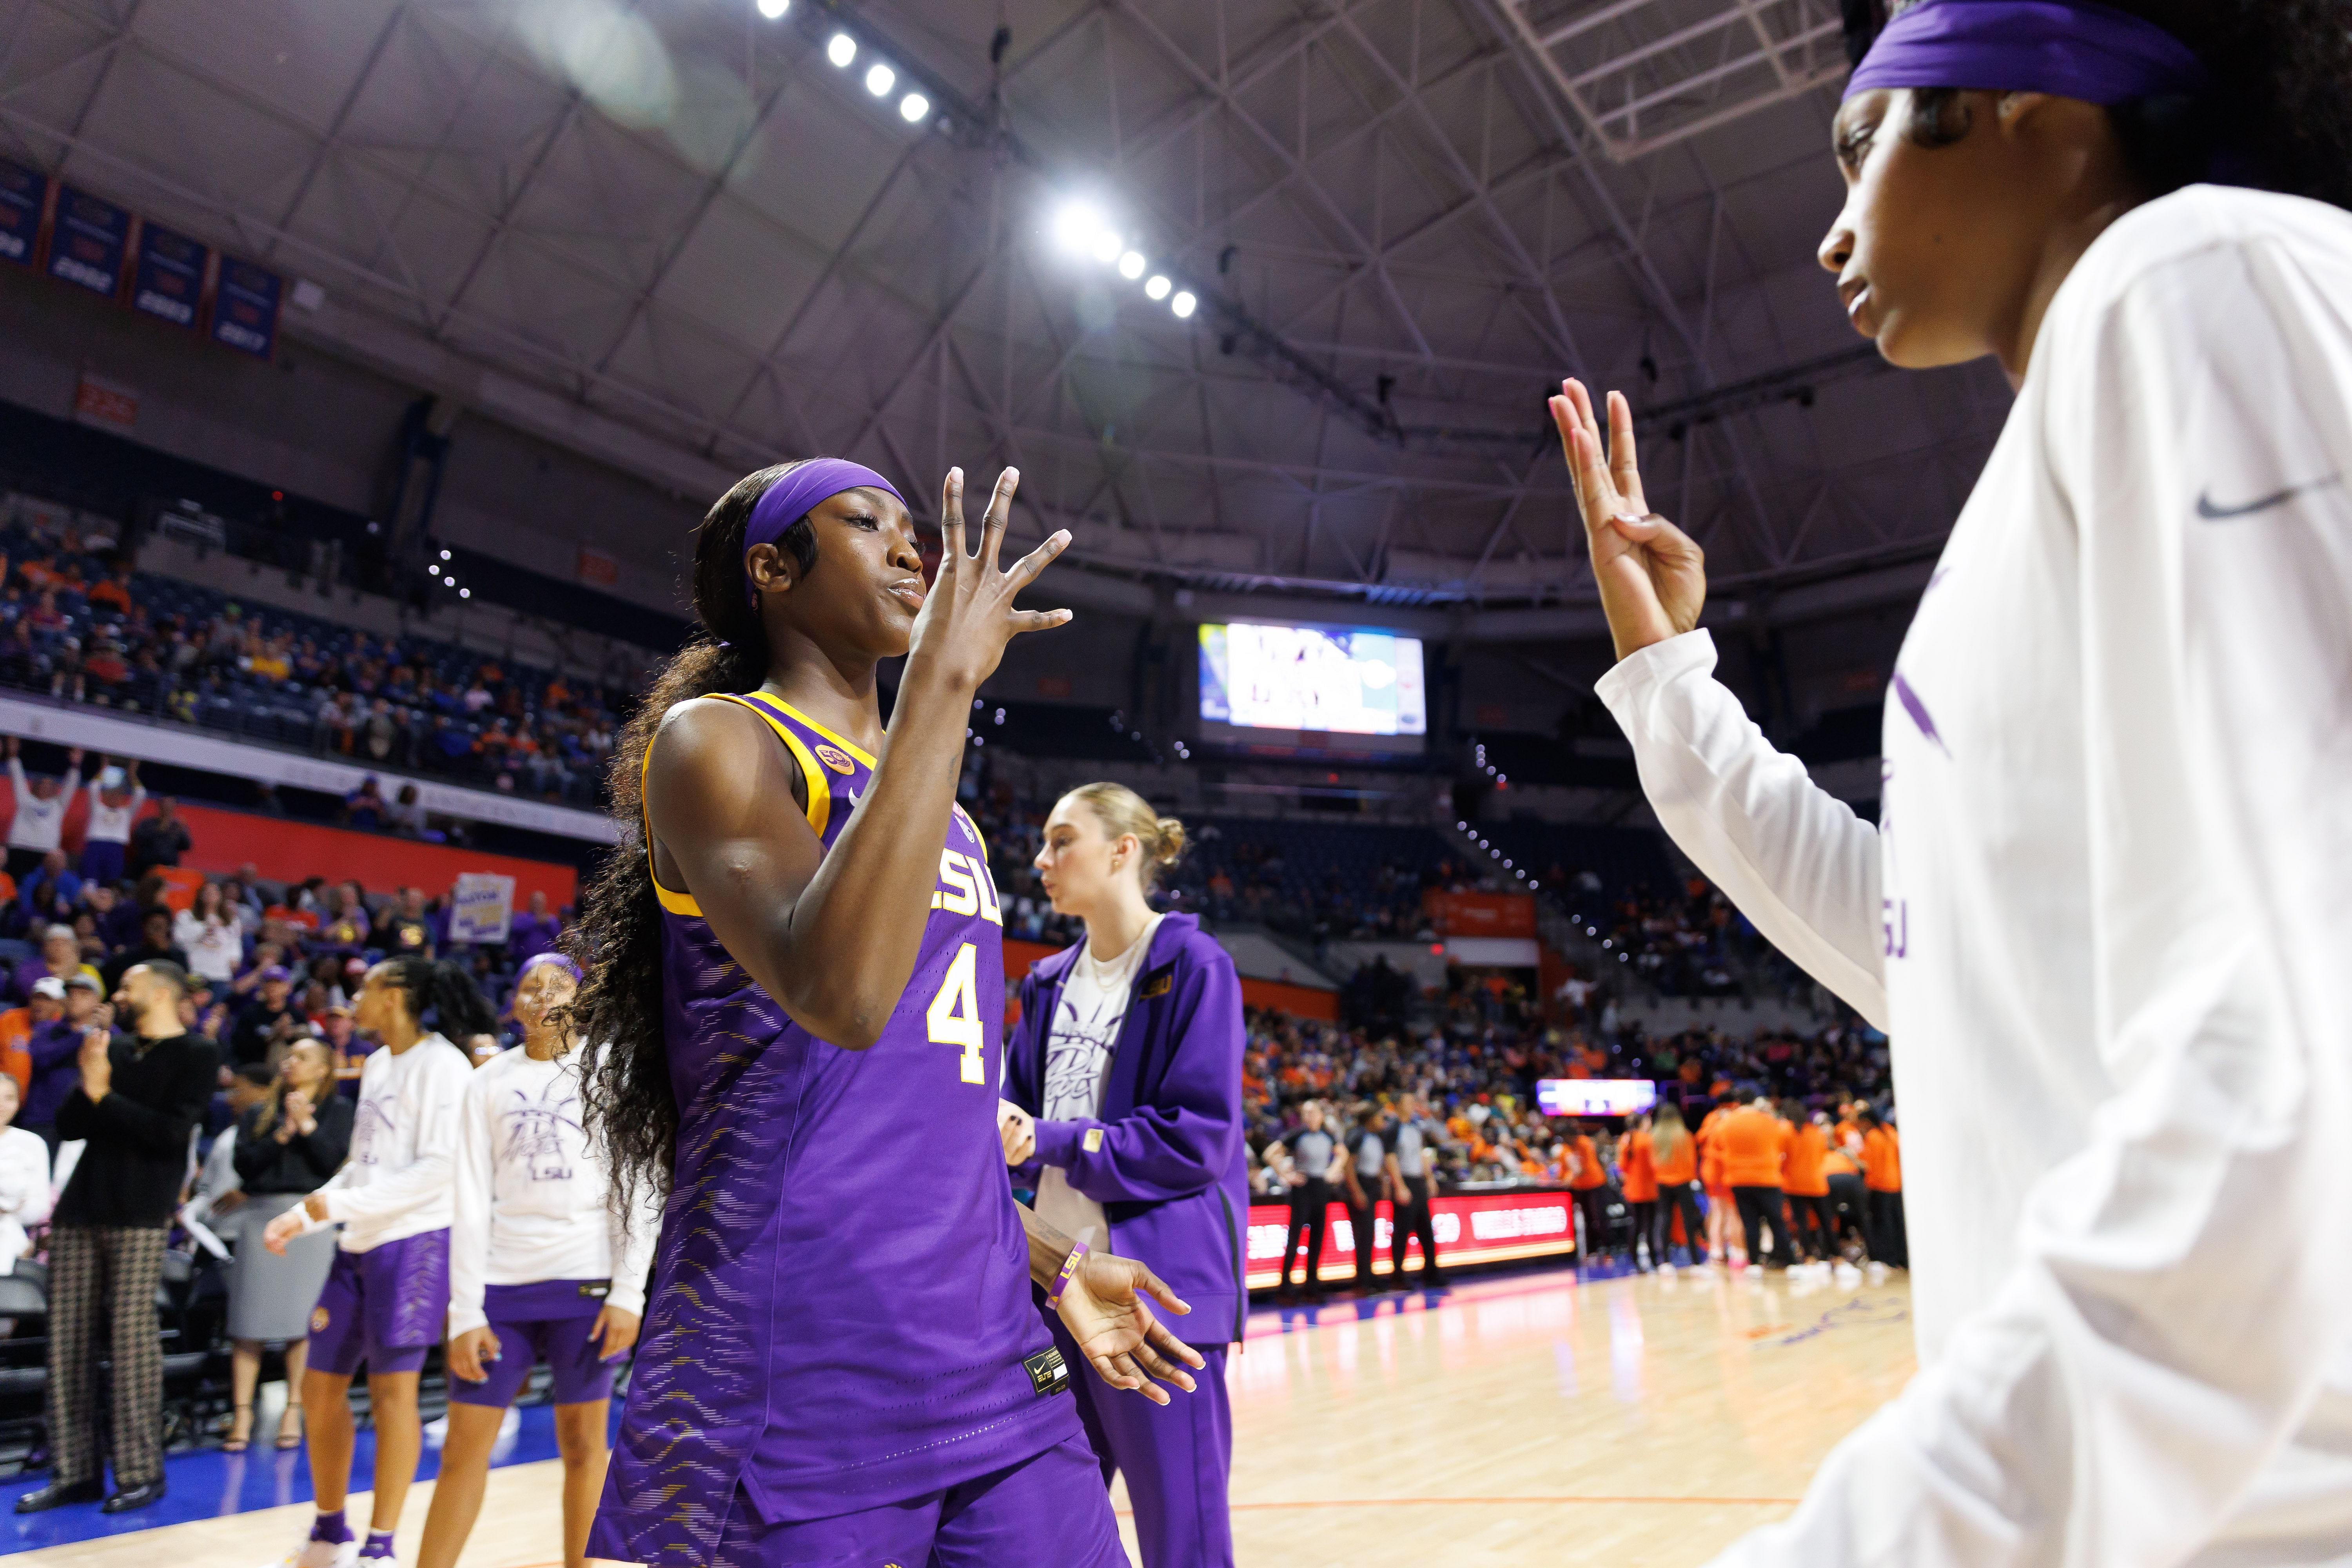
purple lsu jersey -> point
(840, 1316)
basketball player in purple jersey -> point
(804, 983)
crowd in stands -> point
(77, 622)
(1478, 1068)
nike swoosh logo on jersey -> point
(2211, 513)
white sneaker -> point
(1849, 1278)
(324, 1554)
(1877, 1273)
(1666, 1270)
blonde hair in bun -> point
(1121, 811)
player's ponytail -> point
(632, 1112)
(442, 997)
(1122, 811)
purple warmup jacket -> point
(1170, 1168)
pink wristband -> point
(1061, 1281)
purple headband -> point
(789, 500)
(556, 959)
(2060, 47)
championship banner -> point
(482, 907)
(167, 282)
(245, 308)
(23, 193)
(92, 238)
(1474, 1227)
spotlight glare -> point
(913, 107)
(468, 593)
(1107, 245)
(445, 555)
(1131, 264)
(841, 50)
(773, 10)
(1158, 288)
(880, 79)
(1182, 304)
(1076, 226)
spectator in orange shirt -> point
(1719, 1208)
(1807, 1186)
(1752, 1137)
(1848, 1199)
(1589, 1181)
(1637, 1172)
(114, 589)
(16, 1026)
(1675, 1155)
(1882, 1174)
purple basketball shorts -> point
(383, 1306)
(1050, 1508)
(547, 1321)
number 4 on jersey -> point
(954, 1014)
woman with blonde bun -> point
(1123, 1109)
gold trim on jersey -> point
(797, 717)
(820, 797)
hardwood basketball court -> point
(1635, 1420)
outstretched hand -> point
(1104, 1306)
(1651, 575)
(968, 617)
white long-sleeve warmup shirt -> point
(111, 824)
(533, 1199)
(396, 1182)
(2104, 919)
(26, 1193)
(38, 824)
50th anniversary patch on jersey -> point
(835, 758)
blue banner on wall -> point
(92, 238)
(23, 193)
(169, 280)
(245, 308)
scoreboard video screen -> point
(1312, 688)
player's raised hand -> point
(1106, 1307)
(1651, 575)
(968, 617)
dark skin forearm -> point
(1048, 1247)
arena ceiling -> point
(675, 235)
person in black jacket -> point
(136, 1107)
(286, 1147)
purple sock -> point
(379, 1544)
(330, 1528)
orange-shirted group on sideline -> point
(1799, 1187)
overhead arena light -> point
(1158, 288)
(775, 9)
(1130, 266)
(880, 79)
(1183, 305)
(1107, 247)
(841, 50)
(913, 107)
(1075, 226)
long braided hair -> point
(2277, 114)
(630, 1108)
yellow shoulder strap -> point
(820, 800)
